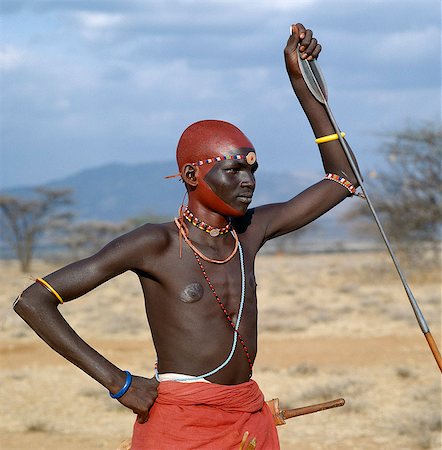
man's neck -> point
(207, 215)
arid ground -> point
(331, 325)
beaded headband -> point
(250, 158)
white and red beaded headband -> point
(250, 158)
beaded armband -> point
(343, 182)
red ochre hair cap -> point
(209, 139)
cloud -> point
(98, 26)
(418, 45)
(49, 6)
(98, 20)
(11, 57)
(118, 80)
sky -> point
(89, 82)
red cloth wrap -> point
(206, 416)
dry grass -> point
(330, 326)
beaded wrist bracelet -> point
(328, 138)
(46, 285)
(342, 181)
(125, 387)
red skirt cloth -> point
(206, 416)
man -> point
(197, 275)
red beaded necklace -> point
(213, 231)
(183, 233)
(221, 304)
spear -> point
(315, 82)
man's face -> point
(233, 181)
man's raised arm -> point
(315, 201)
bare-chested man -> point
(197, 276)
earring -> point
(180, 219)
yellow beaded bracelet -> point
(45, 284)
(330, 137)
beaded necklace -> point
(235, 328)
(213, 231)
(221, 304)
(183, 232)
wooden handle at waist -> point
(281, 416)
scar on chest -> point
(192, 293)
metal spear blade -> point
(314, 79)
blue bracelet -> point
(125, 388)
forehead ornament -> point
(251, 158)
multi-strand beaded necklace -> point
(213, 231)
(198, 256)
(224, 309)
(183, 231)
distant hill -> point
(116, 192)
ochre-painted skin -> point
(208, 139)
(219, 181)
(189, 330)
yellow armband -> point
(45, 284)
(330, 137)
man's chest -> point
(192, 285)
(228, 285)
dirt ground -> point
(331, 325)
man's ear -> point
(189, 173)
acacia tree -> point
(24, 221)
(407, 192)
(85, 238)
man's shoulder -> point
(250, 222)
(250, 228)
(154, 233)
(150, 237)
